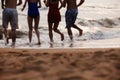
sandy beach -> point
(60, 64)
(84, 58)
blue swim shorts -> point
(10, 15)
(70, 17)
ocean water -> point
(99, 19)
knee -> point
(13, 29)
(5, 29)
(56, 30)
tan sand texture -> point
(60, 64)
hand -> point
(44, 1)
(2, 6)
(39, 6)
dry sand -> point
(59, 64)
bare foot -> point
(6, 39)
(51, 42)
(30, 44)
(13, 45)
(39, 43)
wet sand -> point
(59, 64)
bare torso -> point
(10, 3)
(71, 4)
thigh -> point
(30, 22)
(68, 18)
(14, 19)
(5, 18)
(74, 15)
(36, 21)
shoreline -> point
(57, 50)
(81, 44)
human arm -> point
(24, 5)
(39, 1)
(2, 4)
(64, 3)
(80, 3)
(61, 4)
(20, 2)
(46, 3)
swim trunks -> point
(54, 14)
(33, 11)
(70, 17)
(10, 15)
